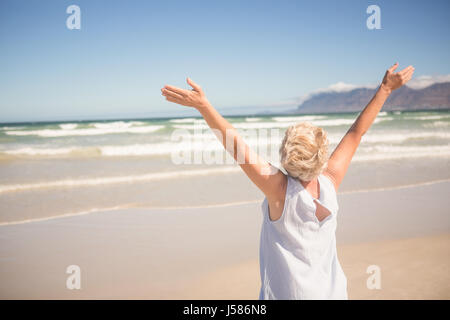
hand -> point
(392, 81)
(191, 98)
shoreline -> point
(211, 205)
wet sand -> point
(178, 190)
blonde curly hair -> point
(304, 151)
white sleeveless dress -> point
(298, 258)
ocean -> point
(56, 169)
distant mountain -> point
(436, 96)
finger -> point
(408, 75)
(409, 71)
(166, 92)
(193, 84)
(175, 100)
(408, 78)
(172, 94)
(406, 70)
(391, 69)
(181, 92)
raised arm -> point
(341, 157)
(268, 179)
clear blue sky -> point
(243, 53)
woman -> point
(298, 258)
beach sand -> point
(211, 251)
(413, 268)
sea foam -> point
(50, 133)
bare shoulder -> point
(277, 182)
(276, 199)
(330, 175)
(281, 186)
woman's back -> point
(298, 258)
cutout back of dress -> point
(321, 212)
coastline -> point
(183, 187)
